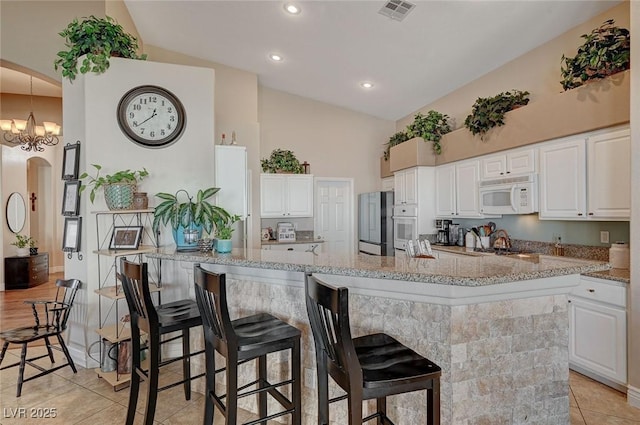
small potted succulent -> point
(119, 187)
(282, 161)
(224, 231)
(96, 39)
(24, 245)
(488, 112)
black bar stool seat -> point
(177, 315)
(368, 367)
(239, 341)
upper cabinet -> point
(405, 183)
(286, 195)
(586, 177)
(510, 163)
(457, 193)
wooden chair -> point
(239, 341)
(155, 321)
(368, 367)
(56, 314)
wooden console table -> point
(26, 272)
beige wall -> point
(336, 142)
(537, 71)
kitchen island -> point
(498, 327)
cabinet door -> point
(493, 166)
(521, 162)
(231, 177)
(563, 180)
(411, 186)
(272, 195)
(609, 175)
(598, 338)
(387, 184)
(446, 190)
(300, 196)
(467, 195)
(398, 188)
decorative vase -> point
(22, 252)
(119, 196)
(33, 251)
(186, 239)
(140, 201)
(223, 245)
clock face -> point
(151, 116)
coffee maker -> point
(442, 226)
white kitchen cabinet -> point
(510, 163)
(457, 193)
(598, 330)
(586, 177)
(388, 184)
(231, 177)
(405, 184)
(286, 195)
(299, 247)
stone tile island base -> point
(504, 358)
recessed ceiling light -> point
(292, 8)
(366, 85)
(275, 57)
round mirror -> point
(16, 212)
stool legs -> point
(232, 389)
(262, 379)
(433, 404)
(134, 384)
(323, 387)
(186, 364)
(210, 377)
(152, 381)
(296, 387)
(381, 404)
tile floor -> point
(85, 399)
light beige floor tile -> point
(576, 416)
(599, 398)
(34, 393)
(597, 418)
(572, 399)
(113, 415)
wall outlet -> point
(309, 378)
(604, 236)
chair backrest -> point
(135, 283)
(211, 296)
(328, 311)
(66, 291)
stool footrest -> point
(268, 418)
(166, 387)
(385, 419)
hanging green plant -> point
(606, 51)
(430, 127)
(394, 140)
(98, 39)
(488, 112)
(281, 161)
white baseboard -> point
(81, 359)
(633, 396)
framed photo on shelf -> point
(71, 197)
(126, 237)
(71, 161)
(71, 237)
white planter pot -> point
(22, 252)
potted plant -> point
(488, 112)
(98, 39)
(24, 244)
(605, 51)
(224, 230)
(281, 161)
(188, 219)
(430, 127)
(119, 187)
(394, 140)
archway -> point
(40, 203)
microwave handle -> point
(514, 207)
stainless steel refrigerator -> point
(375, 226)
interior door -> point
(334, 214)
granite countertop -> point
(478, 270)
(619, 275)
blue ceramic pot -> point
(223, 245)
(187, 239)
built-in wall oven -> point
(405, 225)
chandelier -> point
(27, 134)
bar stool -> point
(367, 367)
(155, 321)
(240, 341)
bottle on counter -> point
(470, 241)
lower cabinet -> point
(300, 247)
(598, 330)
(25, 272)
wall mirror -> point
(16, 212)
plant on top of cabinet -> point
(488, 112)
(394, 140)
(119, 187)
(98, 39)
(282, 161)
(605, 52)
(430, 127)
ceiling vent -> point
(396, 9)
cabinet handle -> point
(580, 214)
(289, 249)
(590, 213)
(569, 301)
(508, 172)
(591, 290)
(501, 174)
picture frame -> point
(126, 237)
(71, 198)
(72, 232)
(71, 161)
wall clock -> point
(151, 116)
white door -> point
(334, 217)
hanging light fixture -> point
(27, 134)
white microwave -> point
(511, 195)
